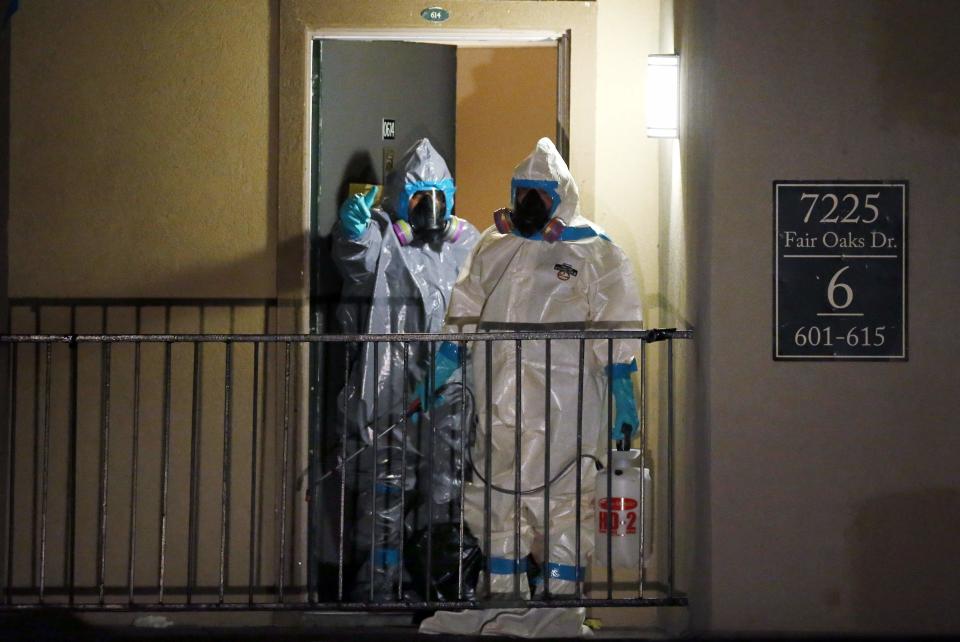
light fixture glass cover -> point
(663, 95)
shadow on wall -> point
(905, 555)
(919, 63)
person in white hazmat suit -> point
(542, 267)
(399, 262)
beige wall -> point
(830, 491)
(506, 101)
(143, 149)
(143, 165)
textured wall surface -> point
(143, 149)
(831, 489)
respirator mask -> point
(428, 210)
(531, 211)
(427, 219)
(534, 203)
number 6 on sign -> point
(835, 285)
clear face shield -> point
(428, 210)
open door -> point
(371, 101)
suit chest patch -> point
(565, 271)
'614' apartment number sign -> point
(840, 270)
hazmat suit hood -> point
(420, 167)
(545, 169)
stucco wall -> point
(831, 490)
(143, 150)
(143, 166)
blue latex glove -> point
(626, 420)
(355, 213)
(445, 363)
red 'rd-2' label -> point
(619, 515)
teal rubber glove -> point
(355, 213)
(445, 363)
(626, 420)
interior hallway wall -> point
(506, 101)
(831, 489)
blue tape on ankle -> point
(562, 572)
(505, 566)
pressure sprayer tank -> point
(620, 512)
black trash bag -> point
(444, 569)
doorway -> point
(483, 104)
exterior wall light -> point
(663, 95)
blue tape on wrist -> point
(449, 350)
(622, 370)
(386, 557)
(506, 566)
(385, 489)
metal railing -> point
(181, 472)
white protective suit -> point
(581, 281)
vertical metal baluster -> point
(262, 513)
(403, 474)
(195, 427)
(487, 463)
(105, 349)
(611, 506)
(431, 387)
(462, 460)
(286, 464)
(35, 449)
(134, 468)
(518, 356)
(343, 476)
(670, 490)
(373, 474)
(578, 465)
(225, 488)
(11, 469)
(643, 464)
(165, 466)
(45, 470)
(546, 474)
(71, 539)
(251, 576)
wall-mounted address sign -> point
(840, 270)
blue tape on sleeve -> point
(506, 566)
(386, 489)
(622, 370)
(386, 557)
